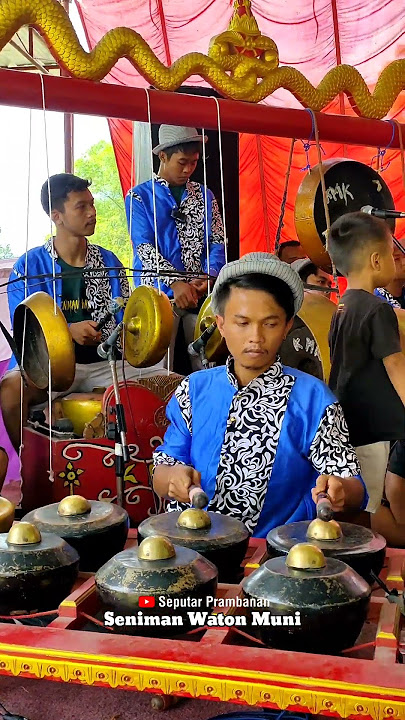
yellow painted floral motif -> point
(241, 63)
(71, 477)
(129, 476)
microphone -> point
(116, 305)
(383, 214)
(104, 348)
(195, 347)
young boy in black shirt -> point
(368, 368)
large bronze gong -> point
(350, 185)
(148, 324)
(44, 343)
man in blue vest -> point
(88, 281)
(176, 229)
(262, 440)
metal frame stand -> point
(204, 362)
(118, 432)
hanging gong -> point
(42, 337)
(148, 325)
(350, 185)
(215, 349)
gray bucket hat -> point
(299, 265)
(170, 135)
(263, 264)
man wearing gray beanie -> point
(261, 439)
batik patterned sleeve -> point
(143, 242)
(124, 284)
(331, 452)
(122, 276)
(177, 441)
(217, 245)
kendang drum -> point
(162, 385)
(87, 466)
(145, 414)
(350, 186)
(81, 409)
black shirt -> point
(364, 330)
(75, 308)
(396, 463)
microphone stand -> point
(117, 431)
(203, 359)
(197, 348)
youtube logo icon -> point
(146, 601)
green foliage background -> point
(6, 252)
(98, 164)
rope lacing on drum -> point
(381, 152)
(308, 144)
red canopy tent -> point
(311, 35)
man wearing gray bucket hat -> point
(262, 440)
(176, 228)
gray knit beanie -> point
(260, 263)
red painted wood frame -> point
(213, 668)
(117, 101)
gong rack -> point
(366, 681)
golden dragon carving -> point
(241, 63)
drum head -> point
(350, 185)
